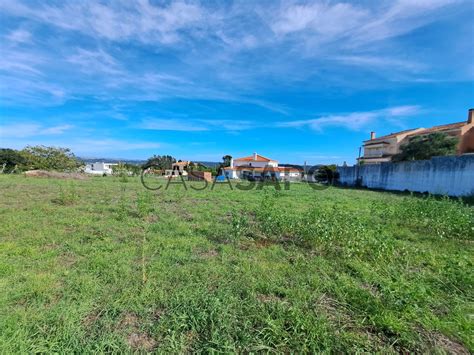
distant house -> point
(258, 167)
(177, 169)
(99, 168)
(382, 149)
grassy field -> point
(104, 265)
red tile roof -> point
(251, 158)
(182, 163)
(391, 135)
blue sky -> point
(291, 80)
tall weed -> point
(67, 195)
(144, 203)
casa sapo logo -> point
(317, 178)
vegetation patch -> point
(105, 266)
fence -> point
(451, 175)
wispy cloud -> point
(118, 21)
(172, 125)
(22, 130)
(195, 125)
(327, 20)
(105, 145)
(95, 62)
(229, 52)
(111, 145)
(356, 120)
(19, 36)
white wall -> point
(451, 175)
(256, 164)
(99, 168)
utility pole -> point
(358, 166)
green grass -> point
(105, 265)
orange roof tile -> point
(181, 163)
(391, 135)
(444, 127)
(250, 158)
(419, 131)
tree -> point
(327, 174)
(126, 169)
(426, 147)
(50, 158)
(161, 162)
(198, 167)
(9, 159)
(226, 159)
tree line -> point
(63, 159)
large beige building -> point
(382, 149)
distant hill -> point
(209, 164)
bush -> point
(49, 158)
(426, 147)
(10, 159)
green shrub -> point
(67, 195)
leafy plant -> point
(239, 224)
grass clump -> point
(67, 195)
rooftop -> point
(417, 131)
(255, 157)
(181, 163)
(442, 127)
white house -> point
(259, 167)
(99, 168)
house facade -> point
(178, 169)
(382, 149)
(99, 168)
(259, 167)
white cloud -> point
(19, 36)
(95, 61)
(322, 18)
(118, 21)
(86, 147)
(110, 145)
(173, 125)
(401, 17)
(379, 63)
(195, 125)
(354, 121)
(21, 62)
(232, 52)
(22, 130)
(56, 129)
